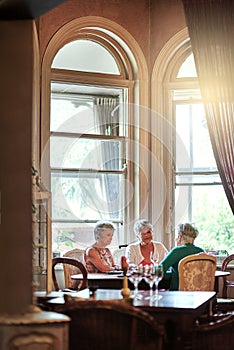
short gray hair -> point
(188, 230)
(142, 223)
(101, 226)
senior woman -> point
(145, 249)
(98, 257)
(185, 246)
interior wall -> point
(126, 13)
(150, 22)
(167, 19)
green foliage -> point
(65, 238)
(216, 226)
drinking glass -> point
(150, 278)
(135, 276)
(158, 276)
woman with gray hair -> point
(185, 246)
(145, 249)
(98, 257)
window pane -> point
(72, 109)
(188, 68)
(193, 146)
(80, 55)
(67, 236)
(86, 153)
(87, 129)
(199, 194)
(67, 116)
(208, 208)
(87, 196)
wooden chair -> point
(225, 304)
(76, 253)
(227, 283)
(215, 334)
(110, 324)
(117, 254)
(197, 272)
(70, 267)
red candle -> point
(124, 264)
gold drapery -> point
(211, 29)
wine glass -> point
(150, 278)
(158, 276)
(135, 276)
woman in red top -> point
(98, 257)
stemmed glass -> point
(158, 276)
(135, 276)
(150, 277)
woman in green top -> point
(185, 246)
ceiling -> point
(26, 9)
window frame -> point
(202, 173)
(210, 175)
(91, 171)
(164, 81)
(123, 81)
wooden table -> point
(114, 281)
(103, 280)
(219, 274)
(176, 310)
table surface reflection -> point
(189, 300)
(176, 310)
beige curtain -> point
(211, 30)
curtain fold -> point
(211, 30)
(107, 115)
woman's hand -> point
(117, 267)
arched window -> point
(79, 55)
(187, 68)
(193, 190)
(90, 85)
(199, 194)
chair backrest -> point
(117, 254)
(76, 253)
(70, 267)
(226, 279)
(216, 334)
(197, 272)
(110, 324)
